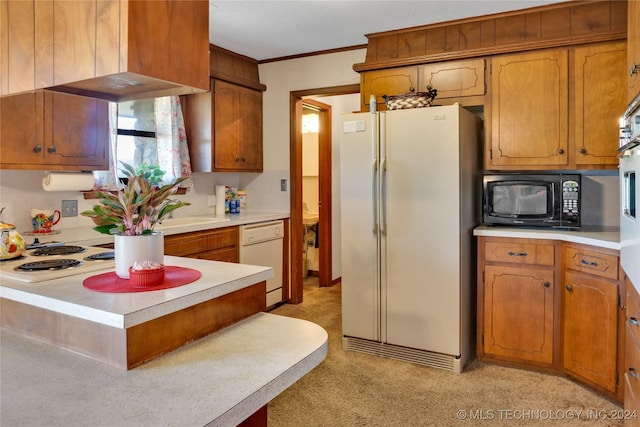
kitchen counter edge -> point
(86, 236)
(222, 378)
(600, 236)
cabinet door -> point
(22, 130)
(394, 81)
(600, 100)
(237, 128)
(590, 329)
(529, 108)
(454, 79)
(633, 50)
(518, 313)
(76, 131)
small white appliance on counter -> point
(56, 261)
(409, 196)
(630, 193)
(261, 244)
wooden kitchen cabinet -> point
(529, 110)
(599, 100)
(103, 48)
(218, 244)
(633, 50)
(632, 356)
(392, 81)
(52, 130)
(590, 315)
(535, 124)
(225, 129)
(453, 80)
(516, 300)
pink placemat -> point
(111, 282)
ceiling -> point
(266, 29)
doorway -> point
(298, 100)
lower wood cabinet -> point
(218, 244)
(552, 305)
(632, 357)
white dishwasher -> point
(261, 244)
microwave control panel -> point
(570, 198)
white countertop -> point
(86, 236)
(604, 237)
(123, 310)
(220, 379)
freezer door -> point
(358, 178)
(421, 243)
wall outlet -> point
(283, 185)
(69, 208)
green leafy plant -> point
(136, 209)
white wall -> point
(284, 77)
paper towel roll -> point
(220, 198)
(67, 181)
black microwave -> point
(531, 199)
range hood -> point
(116, 50)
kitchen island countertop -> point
(601, 236)
(124, 310)
(219, 380)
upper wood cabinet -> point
(111, 49)
(224, 129)
(455, 79)
(556, 109)
(599, 101)
(529, 110)
(52, 130)
(633, 49)
(224, 126)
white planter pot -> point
(129, 249)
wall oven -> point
(630, 192)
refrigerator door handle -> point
(374, 199)
(383, 195)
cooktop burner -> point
(100, 256)
(19, 258)
(49, 264)
(58, 250)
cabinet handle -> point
(511, 253)
(633, 321)
(568, 287)
(37, 149)
(546, 284)
(633, 70)
(592, 263)
(633, 374)
(52, 149)
(582, 150)
(560, 151)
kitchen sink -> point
(188, 221)
(310, 218)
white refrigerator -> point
(409, 202)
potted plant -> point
(133, 212)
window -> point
(147, 131)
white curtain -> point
(171, 145)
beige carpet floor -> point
(355, 389)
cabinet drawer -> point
(632, 371)
(520, 253)
(229, 254)
(633, 312)
(598, 264)
(200, 241)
